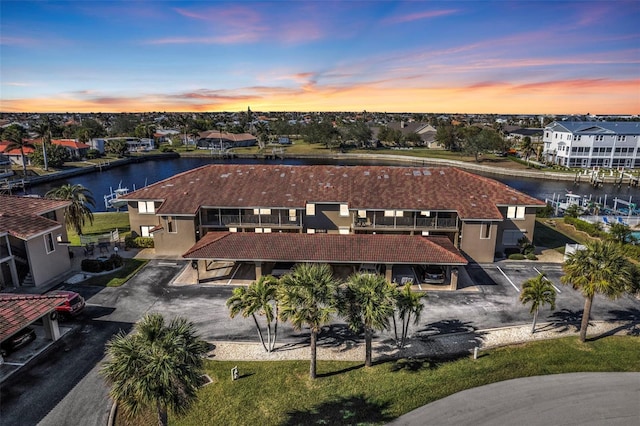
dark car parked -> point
(433, 275)
(18, 340)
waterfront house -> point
(14, 155)
(33, 241)
(335, 214)
(222, 140)
(588, 144)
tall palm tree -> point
(43, 130)
(539, 292)
(527, 148)
(78, 211)
(307, 297)
(408, 304)
(158, 366)
(259, 298)
(598, 268)
(367, 302)
(16, 136)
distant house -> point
(589, 144)
(74, 148)
(519, 134)
(14, 155)
(426, 131)
(5, 166)
(33, 236)
(217, 139)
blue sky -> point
(417, 56)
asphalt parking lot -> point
(68, 390)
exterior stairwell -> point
(28, 281)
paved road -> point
(597, 399)
(63, 387)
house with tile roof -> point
(33, 241)
(336, 214)
(217, 139)
(588, 144)
(14, 155)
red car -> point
(72, 306)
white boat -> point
(113, 201)
(562, 204)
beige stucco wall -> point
(136, 220)
(46, 267)
(480, 250)
(175, 243)
(526, 226)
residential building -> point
(14, 155)
(587, 144)
(222, 140)
(33, 241)
(335, 214)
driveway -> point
(562, 399)
(63, 387)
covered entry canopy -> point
(326, 248)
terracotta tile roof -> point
(334, 248)
(70, 143)
(5, 144)
(19, 310)
(20, 216)
(234, 137)
(362, 187)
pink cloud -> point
(419, 16)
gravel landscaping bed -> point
(436, 345)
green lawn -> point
(103, 223)
(119, 277)
(280, 393)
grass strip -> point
(281, 393)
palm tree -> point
(408, 303)
(539, 292)
(307, 298)
(158, 366)
(259, 298)
(527, 148)
(43, 130)
(16, 136)
(598, 268)
(368, 301)
(78, 211)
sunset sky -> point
(516, 57)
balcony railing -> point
(251, 220)
(413, 223)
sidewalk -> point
(435, 345)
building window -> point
(171, 225)
(344, 210)
(515, 212)
(48, 243)
(343, 230)
(145, 231)
(511, 237)
(485, 230)
(311, 209)
(292, 215)
(146, 207)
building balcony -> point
(251, 221)
(406, 223)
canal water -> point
(137, 175)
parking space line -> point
(554, 286)
(508, 279)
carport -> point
(18, 311)
(263, 250)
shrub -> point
(93, 153)
(516, 256)
(91, 265)
(531, 256)
(138, 242)
(166, 148)
(95, 265)
(584, 226)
